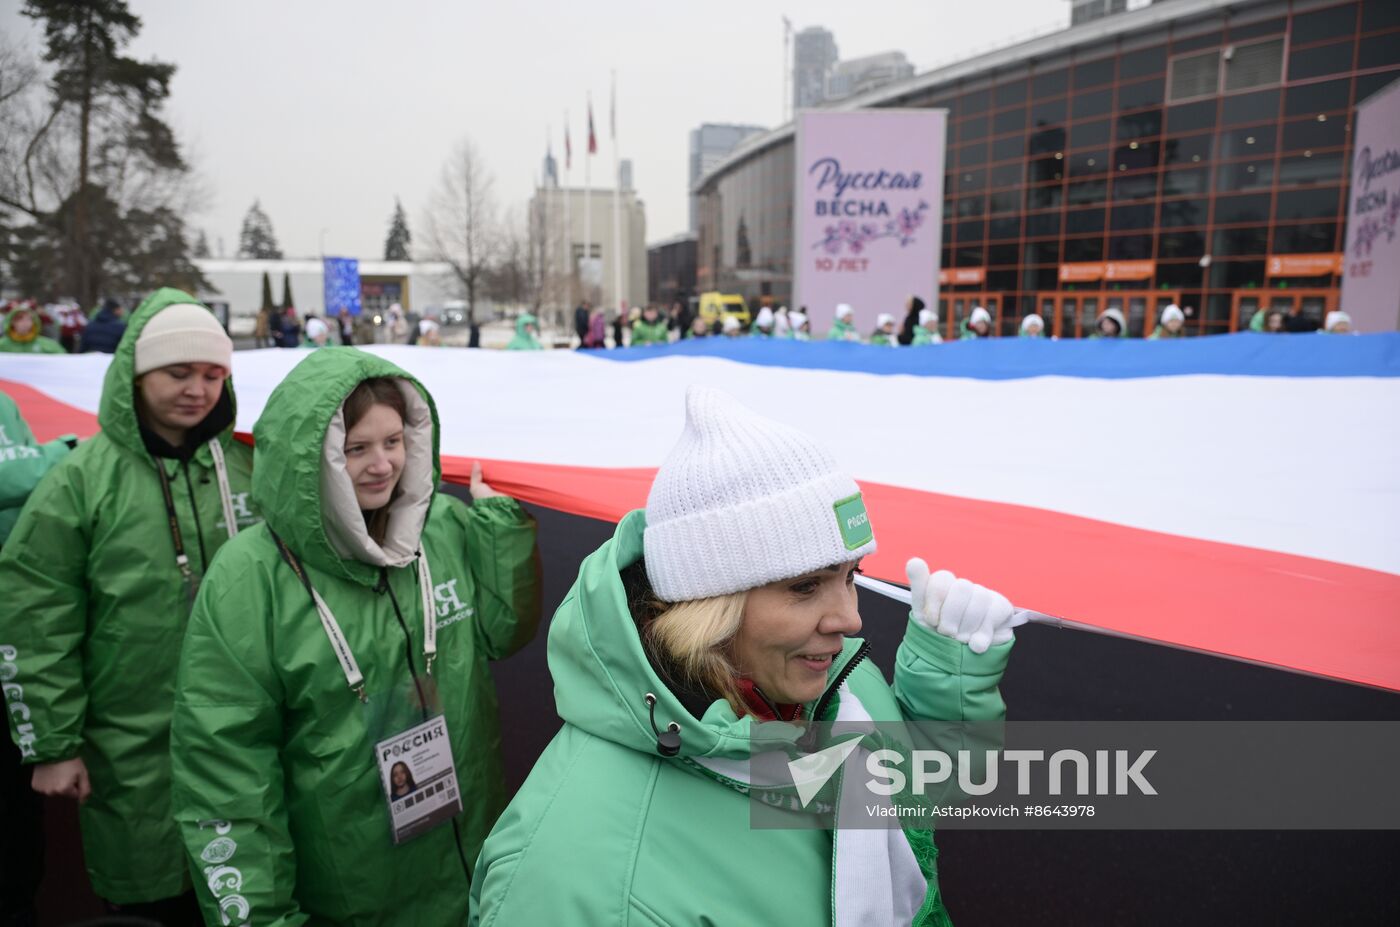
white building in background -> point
(559, 230)
(859, 75)
(420, 287)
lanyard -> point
(182, 560)
(353, 677)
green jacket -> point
(34, 344)
(884, 340)
(842, 331)
(1161, 332)
(608, 832)
(95, 610)
(276, 794)
(644, 332)
(523, 340)
(1259, 320)
(923, 336)
(23, 461)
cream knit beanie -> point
(742, 501)
(183, 333)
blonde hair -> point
(691, 640)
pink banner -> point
(1371, 278)
(869, 212)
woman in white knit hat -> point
(978, 324)
(724, 612)
(99, 576)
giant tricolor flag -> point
(1238, 495)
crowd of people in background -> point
(63, 327)
(921, 325)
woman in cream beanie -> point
(99, 575)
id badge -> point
(419, 778)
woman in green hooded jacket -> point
(679, 649)
(366, 605)
(99, 574)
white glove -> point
(959, 608)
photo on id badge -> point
(418, 775)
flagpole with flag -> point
(588, 153)
(568, 249)
(617, 201)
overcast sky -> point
(325, 111)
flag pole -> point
(587, 188)
(568, 249)
(618, 256)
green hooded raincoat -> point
(523, 340)
(95, 611)
(23, 462)
(277, 794)
(608, 832)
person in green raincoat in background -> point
(649, 329)
(279, 794)
(22, 334)
(926, 332)
(526, 328)
(842, 328)
(1032, 326)
(99, 575)
(884, 334)
(23, 462)
(1173, 324)
(668, 664)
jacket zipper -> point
(835, 683)
(422, 702)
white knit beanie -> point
(883, 319)
(764, 319)
(1033, 319)
(1335, 317)
(183, 333)
(979, 315)
(844, 311)
(742, 501)
(927, 315)
(731, 324)
(1173, 311)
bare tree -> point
(510, 278)
(462, 223)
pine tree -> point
(396, 246)
(117, 102)
(287, 291)
(257, 239)
(201, 245)
(268, 305)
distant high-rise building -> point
(1083, 11)
(709, 145)
(551, 171)
(624, 174)
(858, 75)
(814, 55)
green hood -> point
(116, 412)
(288, 483)
(523, 320)
(602, 674)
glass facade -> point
(1194, 162)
